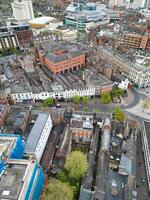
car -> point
(58, 105)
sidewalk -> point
(138, 111)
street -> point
(141, 180)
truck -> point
(114, 188)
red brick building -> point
(61, 59)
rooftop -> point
(16, 177)
(82, 120)
(7, 142)
(42, 20)
(35, 133)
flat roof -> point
(70, 53)
(7, 142)
(15, 179)
(35, 133)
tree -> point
(105, 97)
(96, 110)
(58, 190)
(48, 102)
(145, 104)
(76, 165)
(85, 99)
(116, 92)
(76, 99)
(119, 114)
(85, 109)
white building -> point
(38, 136)
(136, 72)
(22, 10)
(129, 4)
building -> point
(27, 63)
(134, 4)
(146, 148)
(22, 10)
(81, 126)
(60, 59)
(67, 34)
(85, 16)
(38, 136)
(24, 34)
(137, 69)
(60, 32)
(8, 40)
(17, 121)
(22, 31)
(11, 147)
(3, 114)
(19, 179)
(135, 41)
(49, 23)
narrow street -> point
(142, 187)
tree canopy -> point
(116, 92)
(76, 99)
(85, 99)
(76, 165)
(48, 102)
(105, 97)
(119, 114)
(58, 190)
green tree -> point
(96, 110)
(85, 109)
(119, 114)
(76, 99)
(48, 102)
(58, 190)
(105, 97)
(85, 99)
(76, 165)
(116, 92)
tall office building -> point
(130, 3)
(23, 10)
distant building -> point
(60, 59)
(135, 41)
(84, 16)
(67, 33)
(23, 10)
(38, 136)
(8, 40)
(134, 4)
(49, 23)
(137, 70)
(22, 31)
(3, 114)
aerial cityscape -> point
(74, 99)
